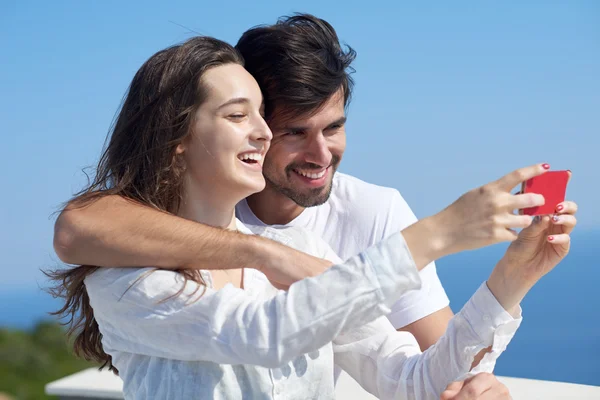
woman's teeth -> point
(250, 157)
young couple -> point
(264, 305)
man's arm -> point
(429, 329)
(429, 323)
(116, 232)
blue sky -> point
(448, 96)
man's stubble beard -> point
(310, 198)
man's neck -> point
(273, 208)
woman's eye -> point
(236, 116)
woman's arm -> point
(390, 364)
(231, 326)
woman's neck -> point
(208, 208)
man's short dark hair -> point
(299, 63)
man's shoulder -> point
(363, 204)
(351, 193)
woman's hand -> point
(545, 243)
(481, 217)
(536, 251)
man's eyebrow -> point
(236, 100)
(340, 121)
(299, 128)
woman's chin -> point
(253, 185)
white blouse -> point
(261, 343)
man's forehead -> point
(331, 112)
(318, 120)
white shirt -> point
(358, 215)
(261, 343)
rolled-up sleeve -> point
(141, 311)
(390, 364)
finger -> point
(568, 222)
(280, 286)
(567, 207)
(507, 182)
(561, 238)
(475, 386)
(505, 235)
(526, 200)
(455, 386)
(452, 390)
(511, 221)
(537, 227)
(448, 395)
(493, 394)
(539, 223)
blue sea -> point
(559, 338)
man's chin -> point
(302, 196)
(310, 198)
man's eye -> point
(293, 133)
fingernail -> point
(559, 207)
(555, 218)
(546, 166)
(550, 238)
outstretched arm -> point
(391, 365)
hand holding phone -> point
(552, 185)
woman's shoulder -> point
(148, 283)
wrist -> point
(262, 254)
(508, 288)
(427, 240)
(285, 265)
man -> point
(303, 72)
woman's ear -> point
(180, 149)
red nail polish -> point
(559, 207)
(550, 238)
(546, 166)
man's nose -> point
(318, 151)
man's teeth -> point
(312, 175)
(250, 156)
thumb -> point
(538, 225)
(278, 285)
(452, 390)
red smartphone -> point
(552, 185)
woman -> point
(189, 140)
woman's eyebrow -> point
(236, 100)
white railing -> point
(94, 384)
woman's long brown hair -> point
(140, 164)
